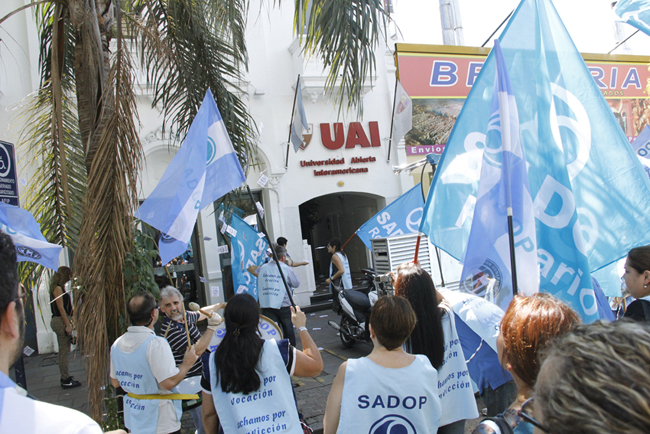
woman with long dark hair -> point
(340, 277)
(435, 336)
(61, 304)
(250, 377)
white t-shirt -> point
(20, 414)
(163, 366)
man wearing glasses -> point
(18, 413)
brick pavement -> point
(43, 375)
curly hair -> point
(600, 380)
(528, 325)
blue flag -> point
(636, 13)
(204, 169)
(400, 217)
(589, 190)
(247, 248)
(31, 245)
(503, 190)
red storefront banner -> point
(438, 78)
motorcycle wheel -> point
(346, 333)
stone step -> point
(317, 307)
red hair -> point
(528, 325)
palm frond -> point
(107, 229)
(191, 51)
(344, 35)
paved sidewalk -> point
(42, 374)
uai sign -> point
(356, 136)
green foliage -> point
(138, 265)
(113, 420)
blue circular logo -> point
(392, 424)
(212, 151)
(27, 252)
(167, 239)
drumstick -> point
(196, 308)
(187, 330)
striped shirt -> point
(177, 338)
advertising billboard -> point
(438, 78)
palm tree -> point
(83, 119)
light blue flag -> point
(169, 248)
(204, 169)
(589, 190)
(400, 217)
(636, 13)
(299, 124)
(31, 245)
(247, 248)
(503, 190)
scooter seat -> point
(358, 300)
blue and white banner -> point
(635, 12)
(399, 218)
(299, 123)
(248, 248)
(204, 169)
(503, 190)
(31, 245)
(589, 189)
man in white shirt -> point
(273, 296)
(143, 365)
(18, 413)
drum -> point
(189, 386)
(268, 329)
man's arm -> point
(188, 361)
(202, 344)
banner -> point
(400, 217)
(402, 113)
(247, 249)
(25, 232)
(204, 169)
(503, 192)
(589, 190)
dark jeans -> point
(282, 317)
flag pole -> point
(293, 110)
(434, 167)
(349, 239)
(511, 237)
(392, 121)
(266, 234)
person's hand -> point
(214, 321)
(298, 317)
(68, 329)
(190, 356)
(328, 281)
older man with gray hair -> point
(180, 329)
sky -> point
(589, 22)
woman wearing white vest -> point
(341, 278)
(389, 390)
(249, 378)
(436, 337)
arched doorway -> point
(338, 215)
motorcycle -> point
(355, 306)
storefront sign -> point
(356, 136)
(338, 161)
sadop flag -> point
(204, 169)
(247, 249)
(635, 12)
(503, 189)
(299, 123)
(588, 188)
(401, 217)
(402, 113)
(25, 232)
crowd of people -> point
(569, 377)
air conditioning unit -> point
(389, 253)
